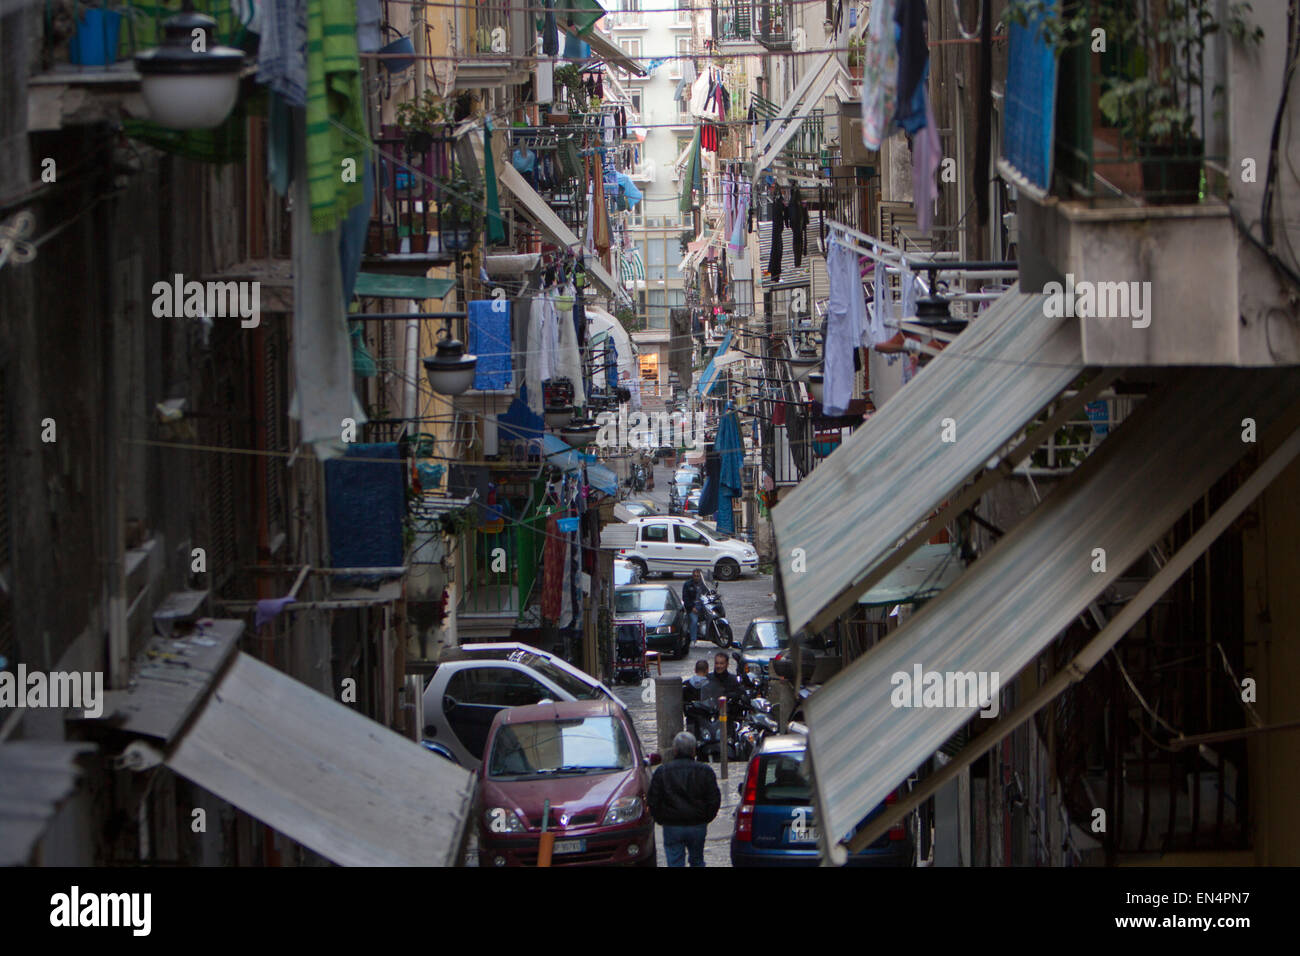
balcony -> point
(493, 30)
(750, 26)
(1127, 202)
(407, 231)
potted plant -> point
(1156, 102)
(569, 77)
(418, 118)
(460, 200)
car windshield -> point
(560, 747)
(710, 533)
(781, 780)
(569, 683)
(766, 634)
(648, 599)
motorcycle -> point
(713, 625)
(748, 721)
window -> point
(632, 47)
(655, 532)
(684, 10)
(683, 50)
(583, 745)
(636, 100)
(685, 535)
(495, 686)
(656, 261)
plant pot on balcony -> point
(1171, 172)
(419, 140)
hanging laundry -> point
(554, 555)
(778, 226)
(926, 156)
(881, 309)
(550, 31)
(797, 216)
(543, 344)
(737, 241)
(913, 64)
(880, 74)
(846, 315)
(568, 354)
(545, 80)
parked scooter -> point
(713, 624)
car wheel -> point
(640, 566)
(726, 570)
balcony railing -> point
(802, 155)
(1095, 159)
(769, 22)
(406, 217)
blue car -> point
(776, 824)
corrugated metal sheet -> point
(36, 776)
(322, 774)
(1010, 604)
(894, 470)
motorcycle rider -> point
(727, 682)
(692, 591)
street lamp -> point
(557, 416)
(184, 87)
(579, 432)
(450, 371)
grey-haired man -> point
(684, 798)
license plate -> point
(569, 846)
(804, 835)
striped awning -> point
(709, 377)
(1009, 605)
(893, 471)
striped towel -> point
(334, 100)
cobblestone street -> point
(743, 600)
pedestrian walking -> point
(684, 798)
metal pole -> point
(547, 842)
(722, 748)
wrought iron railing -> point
(414, 213)
(1096, 159)
(769, 22)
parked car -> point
(640, 507)
(688, 475)
(625, 572)
(584, 758)
(776, 824)
(764, 639)
(475, 682)
(692, 506)
(678, 492)
(659, 607)
(674, 544)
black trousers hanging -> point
(778, 227)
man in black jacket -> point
(691, 593)
(684, 799)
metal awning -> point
(608, 51)
(554, 227)
(893, 471)
(710, 374)
(36, 778)
(926, 572)
(811, 88)
(1008, 606)
(381, 286)
(322, 774)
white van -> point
(673, 544)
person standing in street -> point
(684, 798)
(691, 592)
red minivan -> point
(584, 758)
